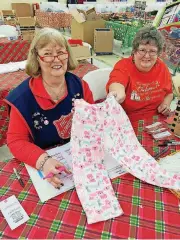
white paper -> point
(46, 191)
(162, 134)
(13, 212)
(157, 130)
(153, 125)
(171, 163)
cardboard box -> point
(103, 41)
(10, 21)
(22, 9)
(28, 35)
(81, 16)
(85, 30)
(9, 17)
(90, 14)
(8, 13)
(81, 52)
(27, 27)
(26, 21)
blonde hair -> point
(41, 39)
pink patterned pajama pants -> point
(102, 128)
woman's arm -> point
(168, 99)
(118, 80)
(88, 96)
(20, 143)
(164, 107)
(19, 140)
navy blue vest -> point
(46, 129)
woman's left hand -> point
(164, 109)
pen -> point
(61, 169)
(169, 144)
(18, 177)
(162, 152)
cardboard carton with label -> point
(102, 47)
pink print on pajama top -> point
(101, 128)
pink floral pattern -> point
(101, 128)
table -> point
(149, 211)
(13, 51)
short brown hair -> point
(41, 39)
(148, 35)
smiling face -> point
(58, 66)
(145, 57)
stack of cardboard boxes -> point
(27, 27)
(22, 17)
(9, 17)
(25, 20)
(84, 23)
(90, 28)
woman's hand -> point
(164, 109)
(119, 96)
(118, 91)
(50, 166)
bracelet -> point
(43, 162)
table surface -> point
(149, 211)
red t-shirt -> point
(145, 91)
(18, 136)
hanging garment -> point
(105, 128)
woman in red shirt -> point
(41, 106)
(142, 82)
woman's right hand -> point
(50, 166)
(118, 91)
(119, 96)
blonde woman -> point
(41, 107)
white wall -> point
(6, 4)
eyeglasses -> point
(151, 53)
(61, 56)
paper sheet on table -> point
(171, 162)
(46, 191)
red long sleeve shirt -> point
(19, 139)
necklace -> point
(54, 95)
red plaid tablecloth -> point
(13, 51)
(9, 81)
(149, 212)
